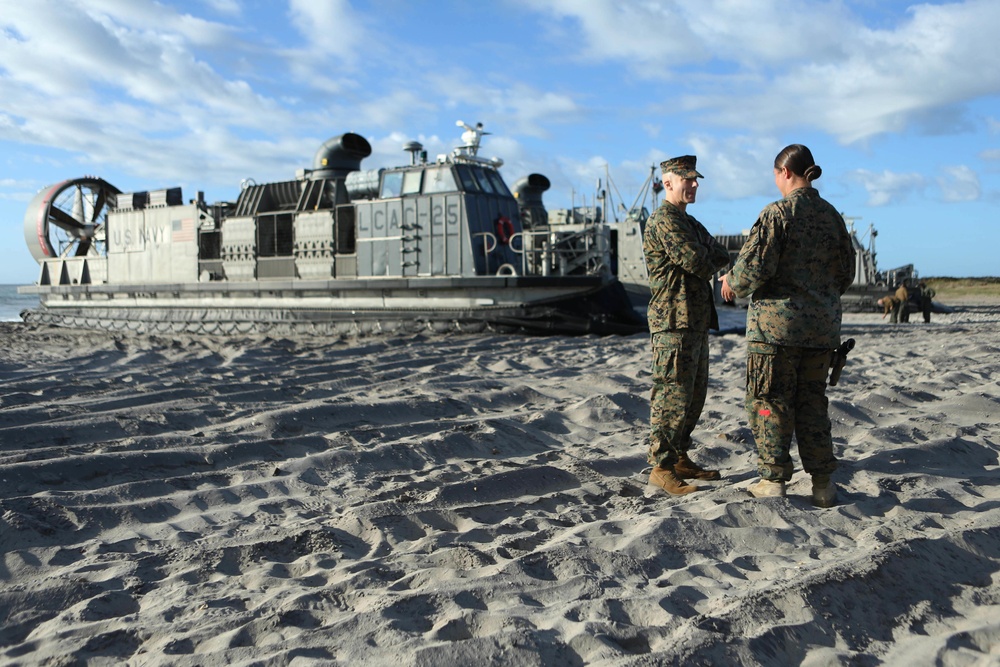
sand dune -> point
(425, 500)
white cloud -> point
(331, 28)
(959, 183)
(9, 183)
(155, 16)
(119, 82)
(529, 109)
(392, 109)
(630, 30)
(888, 187)
(229, 7)
(654, 36)
(522, 108)
(75, 56)
(653, 130)
(771, 65)
(944, 55)
(736, 167)
(768, 33)
(140, 86)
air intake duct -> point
(528, 192)
(339, 156)
(529, 189)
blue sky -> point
(898, 101)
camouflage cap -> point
(683, 166)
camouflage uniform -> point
(796, 263)
(682, 257)
(901, 312)
(927, 295)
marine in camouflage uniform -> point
(901, 310)
(927, 295)
(795, 264)
(682, 258)
(888, 304)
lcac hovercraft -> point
(438, 245)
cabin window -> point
(274, 235)
(392, 184)
(497, 182)
(484, 182)
(439, 179)
(411, 182)
(469, 183)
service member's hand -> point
(728, 295)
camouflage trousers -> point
(897, 313)
(786, 396)
(680, 384)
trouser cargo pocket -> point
(762, 359)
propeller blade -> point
(64, 220)
(99, 205)
(78, 204)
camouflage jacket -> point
(681, 257)
(796, 263)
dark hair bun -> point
(798, 160)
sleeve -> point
(652, 243)
(720, 255)
(758, 260)
(684, 247)
(848, 260)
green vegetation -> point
(957, 288)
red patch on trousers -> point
(765, 413)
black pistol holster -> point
(839, 359)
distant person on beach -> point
(927, 295)
(901, 312)
(888, 304)
(795, 265)
(682, 258)
(914, 296)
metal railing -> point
(555, 252)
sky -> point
(898, 102)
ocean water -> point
(12, 303)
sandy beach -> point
(482, 500)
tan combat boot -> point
(665, 479)
(824, 491)
(685, 468)
(766, 488)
